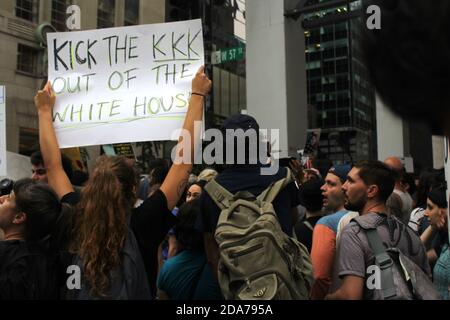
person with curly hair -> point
(114, 243)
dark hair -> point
(36, 159)
(409, 57)
(311, 196)
(200, 183)
(379, 174)
(158, 174)
(42, 207)
(79, 178)
(438, 196)
(429, 178)
(187, 236)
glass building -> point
(340, 98)
(223, 28)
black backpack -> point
(27, 272)
(401, 278)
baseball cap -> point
(341, 171)
(249, 125)
(240, 121)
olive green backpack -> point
(258, 261)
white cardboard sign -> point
(124, 84)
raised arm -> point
(57, 178)
(178, 175)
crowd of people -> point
(159, 237)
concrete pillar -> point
(276, 73)
(120, 13)
(45, 12)
(152, 11)
(88, 13)
(389, 132)
(438, 151)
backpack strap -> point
(308, 225)
(269, 194)
(221, 196)
(383, 260)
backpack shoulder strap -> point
(308, 225)
(269, 194)
(383, 260)
(221, 196)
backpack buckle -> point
(384, 261)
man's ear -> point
(372, 191)
(20, 218)
(443, 212)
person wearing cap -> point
(312, 199)
(237, 176)
(438, 254)
(325, 232)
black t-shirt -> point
(249, 179)
(304, 233)
(27, 272)
(150, 223)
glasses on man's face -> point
(39, 172)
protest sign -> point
(125, 84)
(2, 132)
(119, 149)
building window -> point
(59, 8)
(27, 9)
(106, 13)
(131, 13)
(26, 59)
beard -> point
(357, 205)
(334, 202)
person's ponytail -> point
(43, 211)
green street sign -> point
(227, 55)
